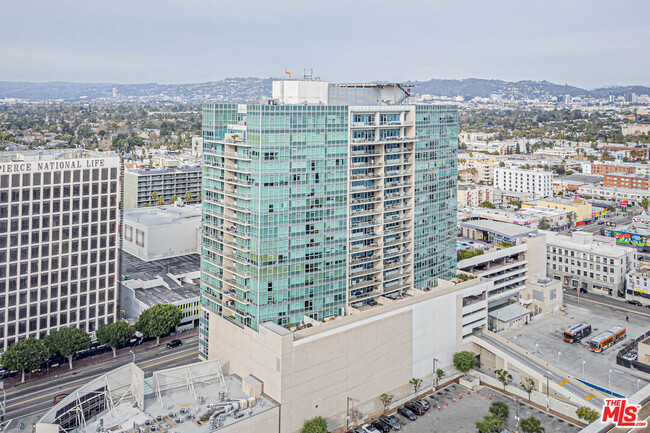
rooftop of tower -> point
(317, 92)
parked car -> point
(369, 429)
(418, 409)
(391, 421)
(633, 302)
(417, 403)
(174, 343)
(631, 356)
(380, 426)
(407, 413)
(424, 403)
(356, 430)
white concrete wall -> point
(166, 240)
(435, 334)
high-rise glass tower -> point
(313, 205)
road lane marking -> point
(90, 379)
(46, 395)
(589, 397)
(168, 360)
(564, 382)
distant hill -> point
(476, 87)
(253, 89)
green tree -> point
(499, 409)
(588, 414)
(158, 320)
(645, 203)
(528, 385)
(502, 164)
(67, 341)
(544, 224)
(114, 334)
(173, 200)
(161, 200)
(26, 354)
(488, 205)
(386, 400)
(439, 375)
(154, 196)
(531, 425)
(464, 361)
(504, 377)
(188, 197)
(315, 425)
(491, 424)
(200, 195)
(416, 383)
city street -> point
(26, 403)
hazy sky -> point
(587, 43)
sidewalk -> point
(64, 369)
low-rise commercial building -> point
(153, 233)
(583, 211)
(473, 195)
(638, 286)
(607, 168)
(171, 281)
(543, 296)
(623, 181)
(147, 186)
(550, 219)
(632, 197)
(581, 262)
(537, 182)
(568, 184)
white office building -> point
(583, 263)
(58, 242)
(535, 181)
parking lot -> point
(545, 336)
(460, 416)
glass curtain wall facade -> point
(436, 182)
(275, 213)
(310, 209)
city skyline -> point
(562, 43)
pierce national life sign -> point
(56, 165)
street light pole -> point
(609, 381)
(132, 354)
(347, 411)
(583, 368)
(435, 371)
(536, 346)
(558, 358)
